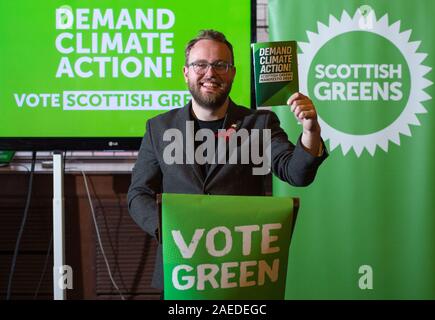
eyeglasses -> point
(220, 67)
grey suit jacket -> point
(151, 175)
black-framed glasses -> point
(201, 67)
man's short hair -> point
(208, 35)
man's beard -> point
(211, 101)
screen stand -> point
(59, 289)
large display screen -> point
(87, 74)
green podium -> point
(226, 247)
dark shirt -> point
(213, 125)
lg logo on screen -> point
(113, 143)
(366, 280)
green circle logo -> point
(366, 80)
(359, 91)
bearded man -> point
(209, 72)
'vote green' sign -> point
(225, 247)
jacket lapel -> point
(189, 140)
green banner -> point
(6, 156)
(101, 68)
(367, 224)
(225, 247)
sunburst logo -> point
(368, 83)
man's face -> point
(211, 89)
